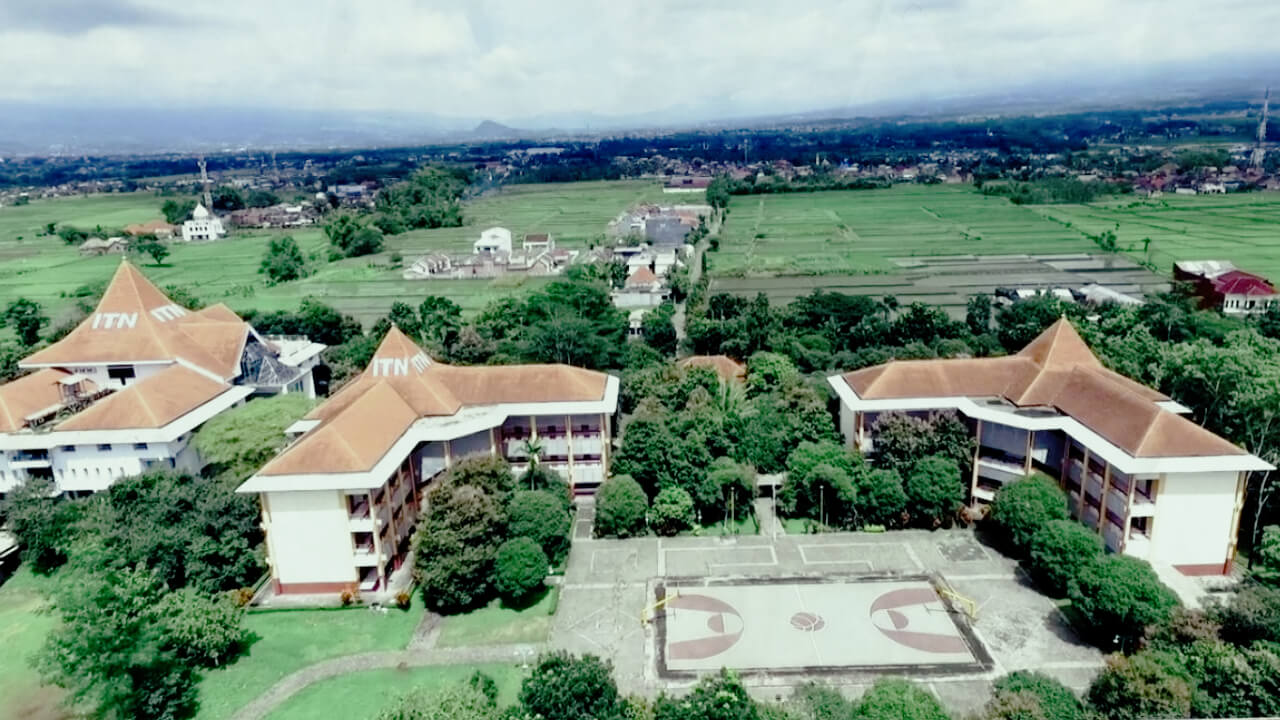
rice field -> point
(856, 232)
(44, 269)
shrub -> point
(543, 518)
(800, 493)
(348, 597)
(1024, 506)
(672, 511)
(1139, 687)
(1036, 696)
(1266, 557)
(519, 569)
(565, 687)
(934, 491)
(1058, 551)
(879, 497)
(1251, 614)
(620, 508)
(898, 699)
(404, 600)
(1119, 596)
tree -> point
(26, 319)
(716, 697)
(177, 211)
(672, 511)
(441, 321)
(365, 241)
(1058, 551)
(1265, 567)
(736, 485)
(283, 261)
(820, 702)
(1023, 506)
(652, 456)
(150, 246)
(519, 569)
(800, 493)
(403, 316)
(1037, 696)
(261, 198)
(659, 330)
(1139, 687)
(879, 498)
(902, 440)
(934, 491)
(202, 629)
(234, 444)
(453, 702)
(112, 651)
(43, 522)
(543, 518)
(340, 230)
(456, 543)
(227, 198)
(191, 531)
(621, 507)
(1119, 596)
(977, 314)
(898, 699)
(565, 687)
(767, 372)
(71, 235)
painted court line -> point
(773, 555)
(838, 561)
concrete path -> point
(770, 525)
(294, 682)
(695, 274)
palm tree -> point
(533, 448)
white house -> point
(203, 225)
(493, 241)
(1154, 484)
(339, 504)
(123, 391)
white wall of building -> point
(1193, 515)
(310, 537)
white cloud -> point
(520, 59)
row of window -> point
(102, 447)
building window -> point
(67, 448)
(139, 446)
(121, 373)
(104, 447)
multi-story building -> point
(123, 391)
(1153, 483)
(340, 502)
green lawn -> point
(361, 695)
(496, 624)
(46, 270)
(22, 631)
(293, 639)
(746, 526)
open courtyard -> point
(839, 608)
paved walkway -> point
(294, 682)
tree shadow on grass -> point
(527, 601)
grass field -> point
(292, 639)
(42, 268)
(500, 625)
(22, 632)
(855, 232)
(362, 695)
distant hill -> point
(490, 130)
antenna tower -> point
(204, 182)
(1259, 152)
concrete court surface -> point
(610, 585)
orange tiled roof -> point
(152, 402)
(30, 394)
(727, 368)
(136, 322)
(402, 384)
(1056, 370)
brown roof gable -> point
(152, 402)
(401, 384)
(136, 322)
(727, 368)
(29, 394)
(1057, 370)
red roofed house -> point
(1220, 285)
(1153, 484)
(123, 391)
(339, 504)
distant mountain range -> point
(52, 129)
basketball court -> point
(869, 623)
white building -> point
(123, 391)
(203, 225)
(339, 504)
(1154, 484)
(493, 241)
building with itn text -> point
(339, 504)
(1151, 482)
(123, 392)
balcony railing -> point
(1143, 506)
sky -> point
(520, 60)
